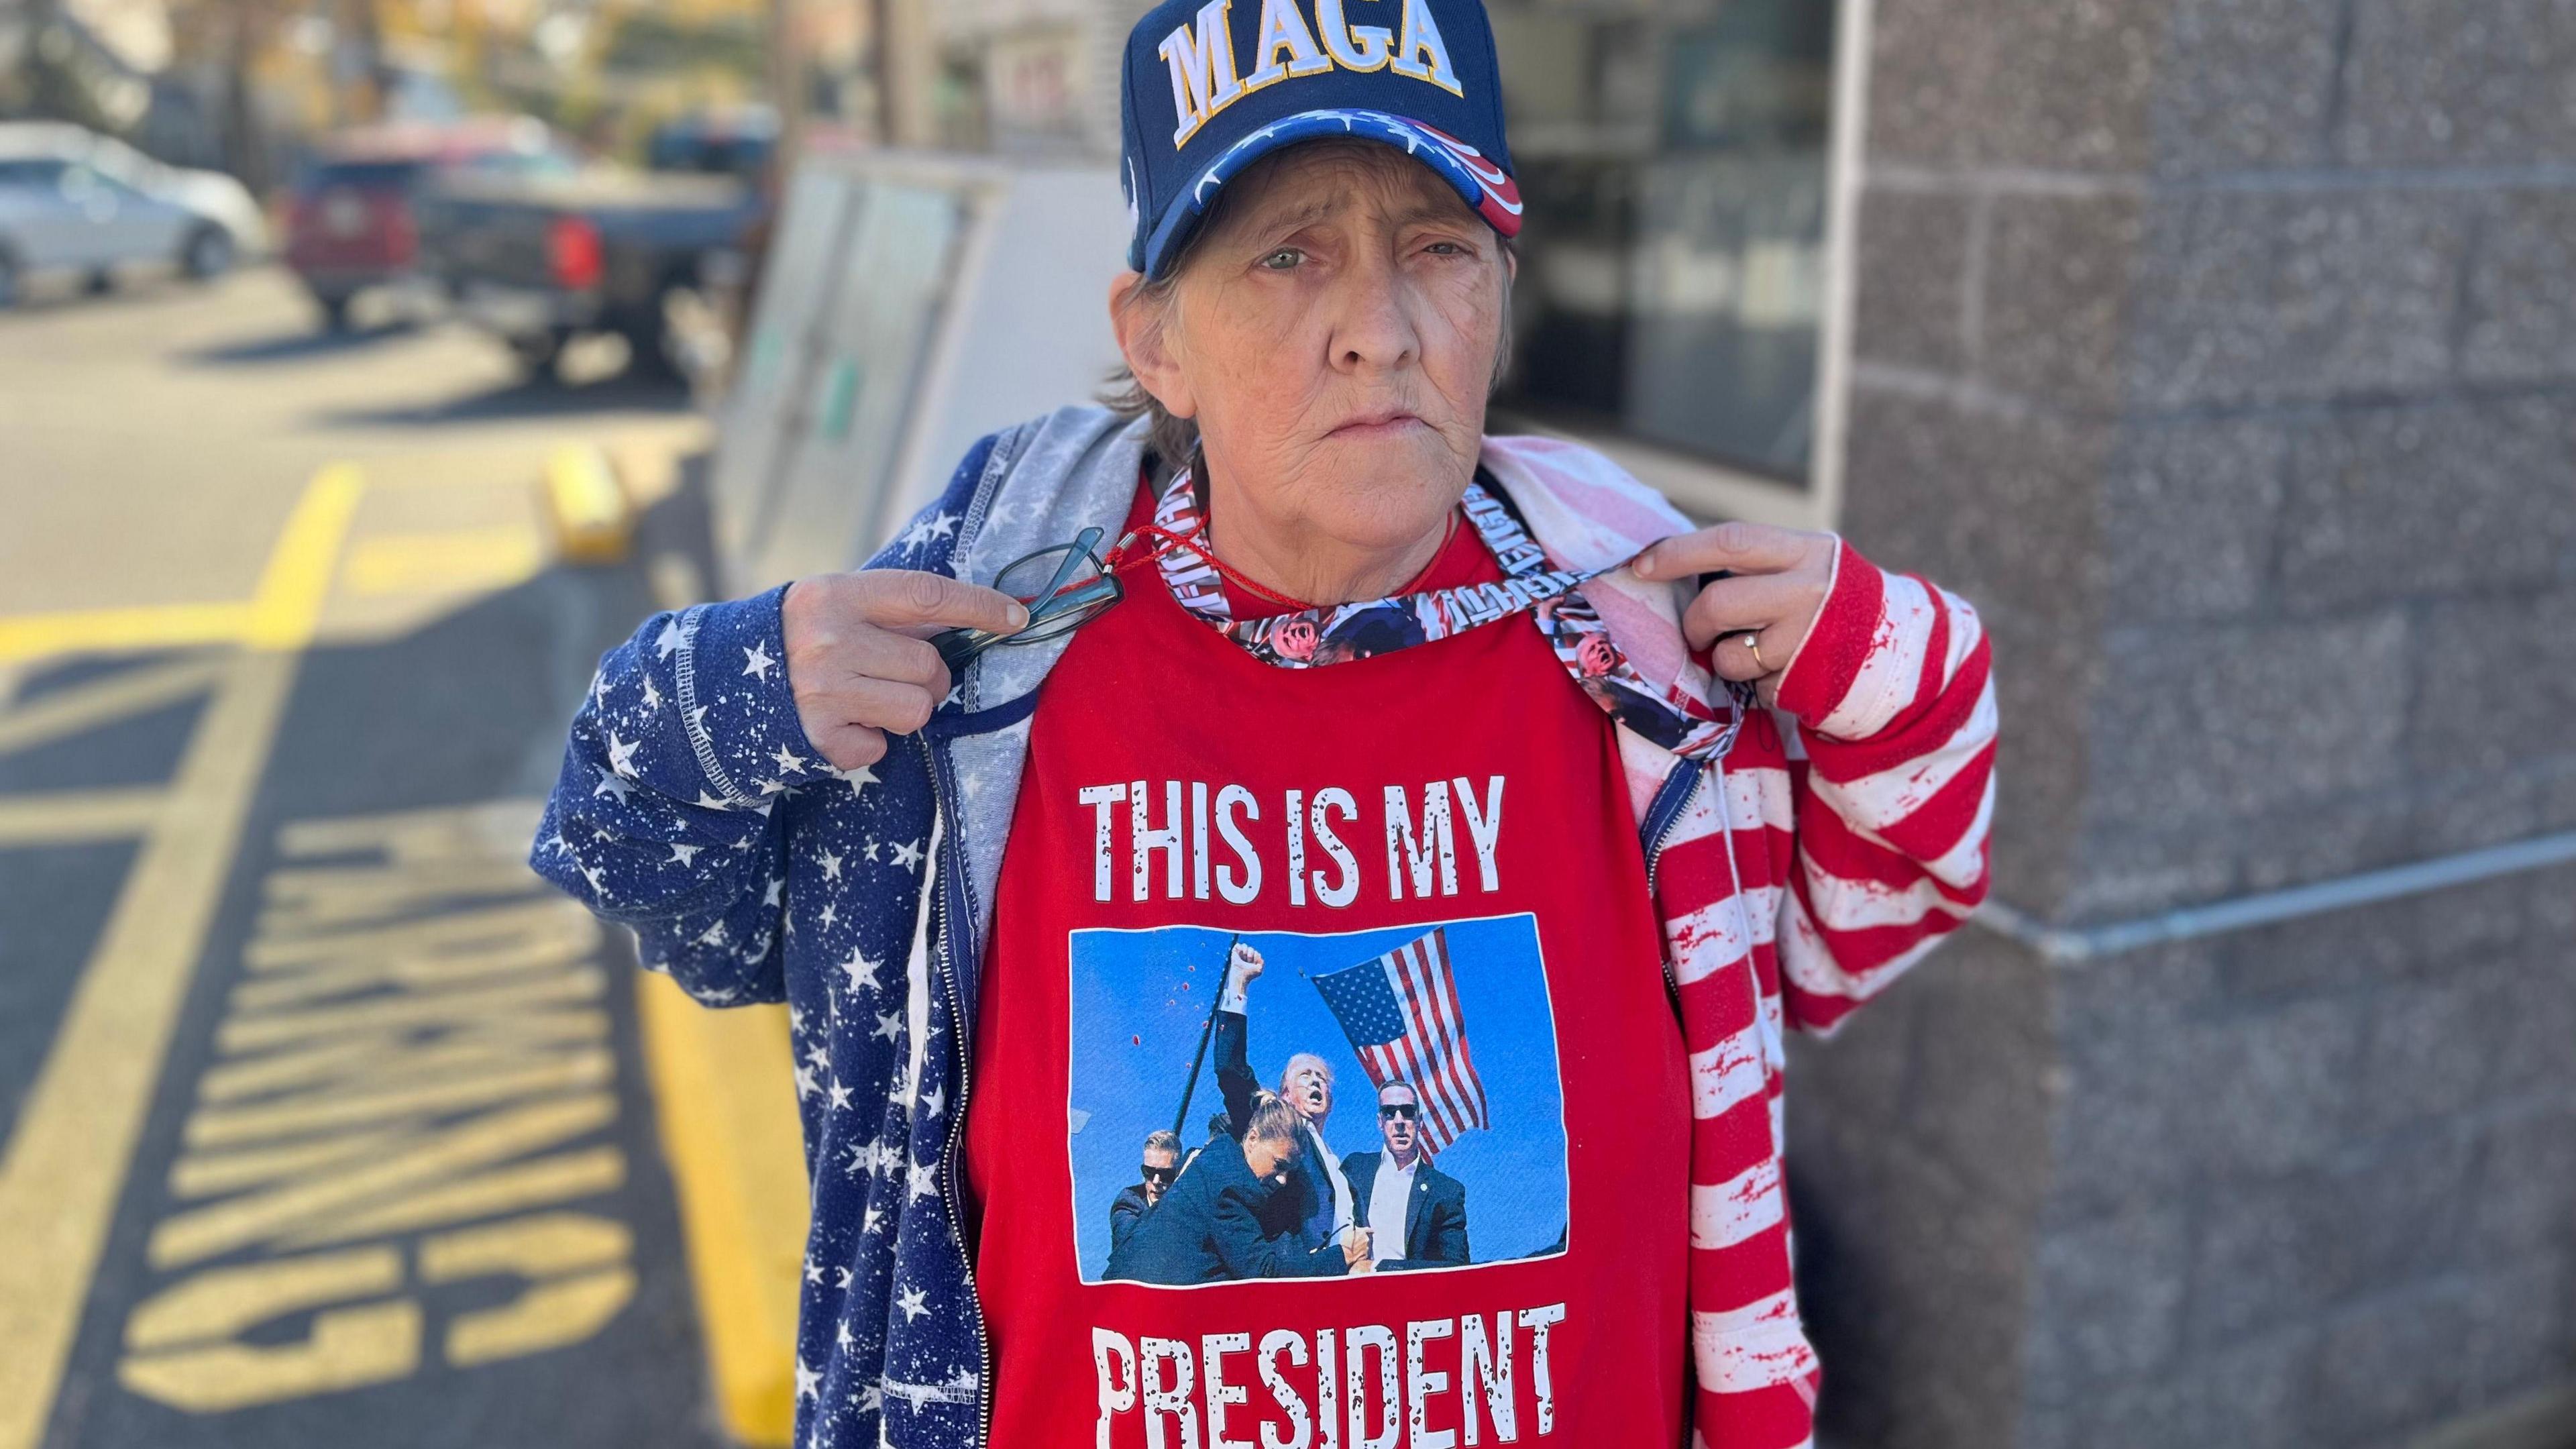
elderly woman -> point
(1647, 797)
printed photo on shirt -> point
(1273, 1104)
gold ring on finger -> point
(1753, 641)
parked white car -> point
(75, 202)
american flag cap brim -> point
(1486, 188)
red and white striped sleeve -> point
(1894, 704)
(1757, 1373)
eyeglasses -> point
(1406, 1110)
(1064, 587)
(1159, 1174)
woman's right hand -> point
(858, 655)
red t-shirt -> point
(1432, 853)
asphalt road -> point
(325, 1123)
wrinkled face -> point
(1308, 1086)
(1270, 1158)
(1162, 1164)
(1334, 333)
(1399, 1119)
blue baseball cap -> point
(1209, 88)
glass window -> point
(549, 162)
(1672, 158)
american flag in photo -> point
(1401, 1014)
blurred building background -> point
(2222, 351)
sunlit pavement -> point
(326, 1124)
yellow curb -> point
(722, 1081)
(594, 522)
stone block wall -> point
(2224, 353)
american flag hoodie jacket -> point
(1796, 870)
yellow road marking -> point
(537, 931)
(298, 576)
(559, 1177)
(345, 1347)
(355, 977)
(309, 1139)
(213, 1306)
(157, 626)
(722, 1081)
(73, 817)
(555, 1312)
(523, 1032)
(380, 1171)
(212, 1174)
(350, 1105)
(61, 713)
(280, 616)
(581, 1259)
(310, 898)
(458, 1008)
(66, 1164)
(196, 1234)
(456, 560)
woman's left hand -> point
(1758, 618)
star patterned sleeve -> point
(1893, 700)
(665, 818)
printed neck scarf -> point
(1313, 637)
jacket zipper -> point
(1665, 812)
(1666, 807)
(950, 922)
(953, 861)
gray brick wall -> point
(2225, 355)
(2308, 1185)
